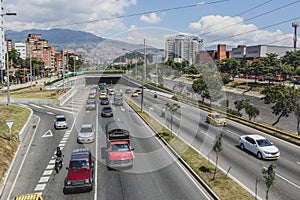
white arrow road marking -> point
(48, 134)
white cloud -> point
(151, 19)
(67, 14)
(215, 29)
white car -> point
(260, 146)
(86, 134)
(60, 122)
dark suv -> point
(80, 172)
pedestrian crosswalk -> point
(74, 105)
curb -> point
(22, 132)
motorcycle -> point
(58, 164)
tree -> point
(251, 111)
(297, 111)
(160, 80)
(218, 147)
(269, 176)
(256, 68)
(230, 66)
(240, 104)
(199, 86)
(284, 99)
(172, 108)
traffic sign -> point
(9, 123)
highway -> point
(155, 174)
(189, 123)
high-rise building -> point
(183, 47)
(20, 47)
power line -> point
(254, 30)
(241, 13)
(265, 13)
(141, 13)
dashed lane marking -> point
(50, 167)
(40, 187)
(44, 179)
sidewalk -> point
(41, 82)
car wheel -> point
(242, 146)
(259, 155)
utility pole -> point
(295, 25)
(144, 76)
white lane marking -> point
(40, 187)
(237, 135)
(50, 167)
(50, 113)
(150, 108)
(122, 108)
(48, 134)
(33, 105)
(44, 179)
(298, 163)
(61, 110)
(64, 138)
(290, 182)
(63, 141)
(47, 172)
(27, 150)
(52, 161)
(61, 145)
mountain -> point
(56, 36)
(90, 46)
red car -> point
(119, 151)
(120, 154)
(80, 172)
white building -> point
(21, 48)
(183, 47)
(258, 51)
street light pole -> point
(144, 76)
(2, 57)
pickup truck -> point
(80, 172)
(119, 152)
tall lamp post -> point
(2, 52)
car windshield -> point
(79, 164)
(263, 142)
(60, 119)
(119, 147)
(219, 116)
(107, 109)
(86, 130)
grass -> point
(8, 147)
(223, 186)
(34, 92)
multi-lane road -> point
(155, 175)
(189, 123)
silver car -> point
(86, 134)
(60, 122)
(90, 104)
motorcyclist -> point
(59, 155)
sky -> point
(230, 22)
